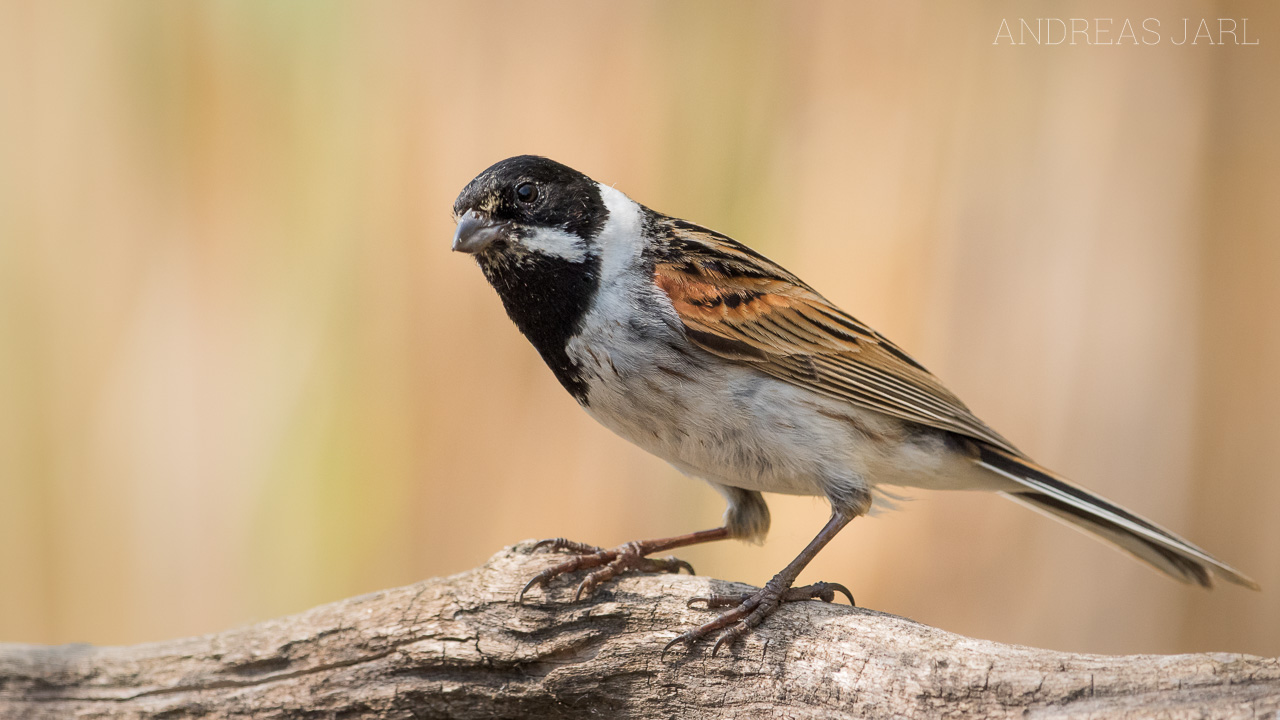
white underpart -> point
(727, 422)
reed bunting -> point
(724, 364)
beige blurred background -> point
(241, 373)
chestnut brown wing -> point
(740, 306)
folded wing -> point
(735, 303)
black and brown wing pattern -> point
(739, 305)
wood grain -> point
(461, 647)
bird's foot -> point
(610, 563)
(751, 609)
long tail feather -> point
(1039, 489)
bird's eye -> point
(526, 192)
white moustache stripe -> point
(556, 243)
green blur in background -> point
(241, 373)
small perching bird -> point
(724, 364)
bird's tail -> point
(1040, 490)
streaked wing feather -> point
(741, 306)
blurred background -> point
(241, 373)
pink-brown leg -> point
(631, 556)
(753, 608)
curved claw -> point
(667, 564)
(842, 589)
(582, 586)
(545, 542)
(681, 638)
(824, 591)
(537, 580)
(726, 638)
(698, 598)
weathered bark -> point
(461, 647)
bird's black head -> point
(532, 225)
(526, 204)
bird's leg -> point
(753, 608)
(611, 563)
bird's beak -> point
(476, 232)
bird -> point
(707, 354)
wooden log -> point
(461, 647)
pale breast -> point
(712, 419)
(730, 424)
